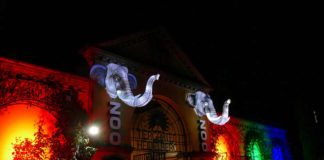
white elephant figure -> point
(115, 79)
(203, 105)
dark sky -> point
(261, 58)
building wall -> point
(45, 107)
(187, 135)
(240, 139)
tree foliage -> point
(33, 149)
(68, 141)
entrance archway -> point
(28, 97)
(158, 132)
(19, 125)
(222, 148)
(256, 148)
(225, 142)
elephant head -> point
(203, 105)
(115, 79)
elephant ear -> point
(132, 81)
(98, 73)
(191, 99)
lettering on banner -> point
(202, 135)
(115, 123)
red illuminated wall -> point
(33, 97)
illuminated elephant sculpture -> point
(203, 105)
(115, 79)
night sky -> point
(263, 59)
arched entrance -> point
(43, 108)
(225, 142)
(24, 128)
(157, 133)
(256, 148)
(222, 148)
(278, 150)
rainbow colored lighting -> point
(241, 139)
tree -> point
(46, 147)
(37, 149)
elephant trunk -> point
(114, 78)
(212, 115)
(127, 96)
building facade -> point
(167, 127)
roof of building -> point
(157, 49)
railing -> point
(150, 156)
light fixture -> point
(93, 130)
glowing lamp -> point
(93, 130)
